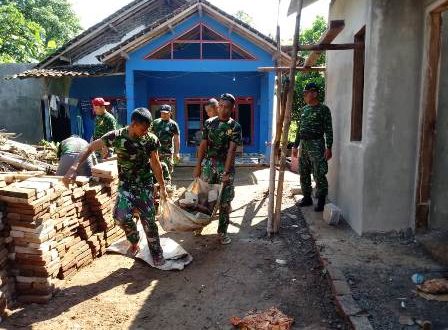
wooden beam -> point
(170, 27)
(333, 30)
(200, 10)
(65, 59)
(285, 68)
(113, 28)
(428, 130)
(322, 47)
(124, 55)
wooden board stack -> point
(56, 230)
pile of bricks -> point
(56, 230)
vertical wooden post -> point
(275, 142)
(287, 119)
(428, 133)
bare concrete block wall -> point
(373, 181)
(20, 101)
(346, 169)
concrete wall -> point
(346, 169)
(439, 190)
(373, 181)
(20, 100)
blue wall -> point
(88, 88)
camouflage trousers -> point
(141, 199)
(312, 161)
(212, 170)
(167, 162)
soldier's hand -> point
(162, 192)
(176, 157)
(295, 152)
(197, 171)
(70, 176)
(225, 178)
(328, 154)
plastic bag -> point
(173, 218)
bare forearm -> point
(201, 152)
(176, 144)
(157, 170)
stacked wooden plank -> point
(56, 230)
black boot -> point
(305, 201)
(320, 204)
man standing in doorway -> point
(104, 122)
(220, 137)
(138, 163)
(314, 140)
(167, 130)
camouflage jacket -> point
(219, 134)
(133, 155)
(103, 124)
(72, 145)
(165, 130)
(314, 123)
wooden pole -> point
(274, 143)
(287, 120)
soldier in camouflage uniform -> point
(216, 157)
(167, 131)
(104, 122)
(138, 163)
(314, 140)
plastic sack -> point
(173, 218)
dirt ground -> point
(116, 292)
(378, 269)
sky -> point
(263, 13)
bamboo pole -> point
(287, 119)
(274, 143)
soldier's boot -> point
(305, 201)
(320, 204)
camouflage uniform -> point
(165, 131)
(219, 135)
(136, 185)
(314, 122)
(104, 124)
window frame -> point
(201, 41)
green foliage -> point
(243, 16)
(51, 22)
(309, 36)
(20, 39)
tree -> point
(309, 36)
(243, 16)
(20, 39)
(56, 21)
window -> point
(358, 86)
(155, 103)
(201, 42)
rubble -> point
(267, 320)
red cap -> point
(99, 101)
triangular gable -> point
(200, 6)
(200, 42)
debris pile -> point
(16, 156)
(55, 230)
(271, 319)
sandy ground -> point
(116, 292)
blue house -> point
(182, 53)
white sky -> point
(263, 12)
